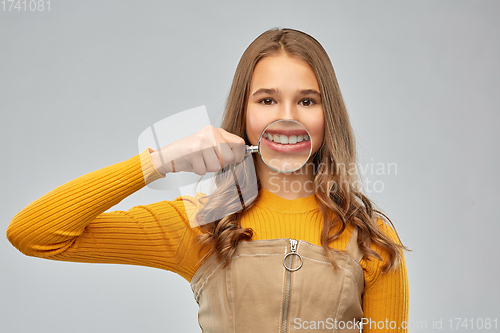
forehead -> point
(283, 72)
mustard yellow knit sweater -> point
(70, 224)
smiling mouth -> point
(284, 139)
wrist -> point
(158, 160)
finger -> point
(223, 150)
(230, 137)
(210, 137)
(197, 163)
(211, 159)
(238, 150)
(227, 155)
(235, 143)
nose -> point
(288, 111)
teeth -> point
(284, 140)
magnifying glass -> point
(284, 145)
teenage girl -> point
(315, 255)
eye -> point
(266, 101)
(307, 102)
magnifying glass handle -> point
(251, 149)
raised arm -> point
(69, 222)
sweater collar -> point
(270, 200)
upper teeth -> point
(283, 139)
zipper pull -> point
(293, 251)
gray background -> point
(79, 84)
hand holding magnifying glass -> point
(284, 146)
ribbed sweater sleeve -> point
(386, 295)
(70, 224)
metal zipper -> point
(289, 270)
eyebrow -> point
(272, 91)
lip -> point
(293, 148)
(288, 132)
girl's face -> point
(284, 87)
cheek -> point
(255, 124)
(318, 139)
(317, 131)
(321, 136)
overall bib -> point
(281, 285)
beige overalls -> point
(281, 285)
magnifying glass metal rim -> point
(255, 149)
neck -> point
(293, 185)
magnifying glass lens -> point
(284, 145)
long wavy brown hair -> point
(336, 185)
